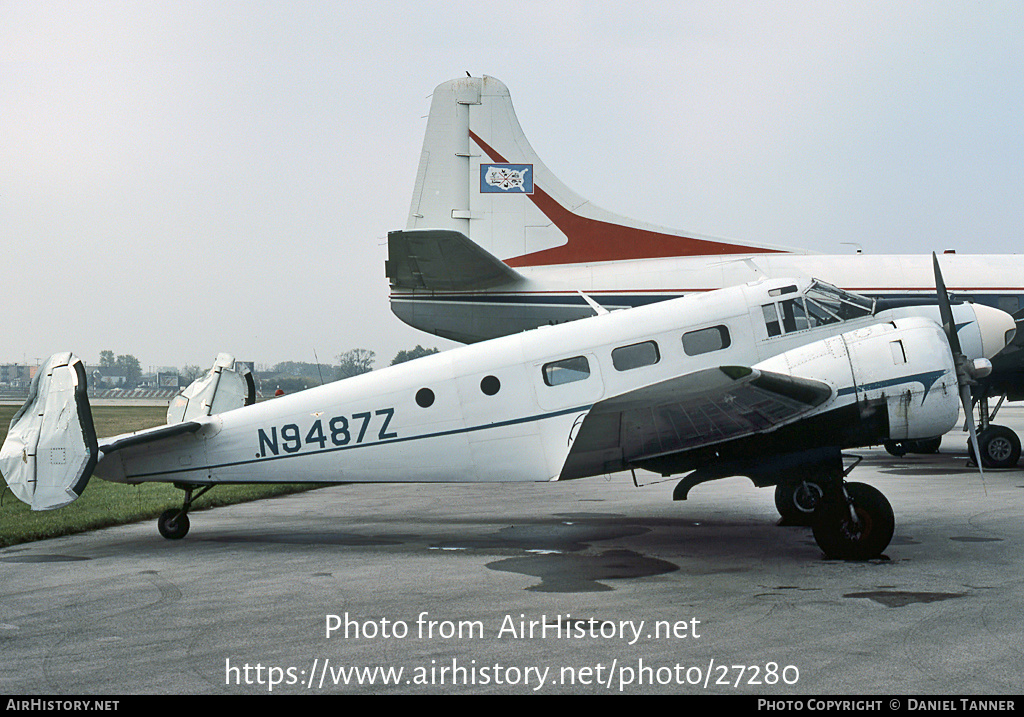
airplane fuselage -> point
(504, 410)
(549, 294)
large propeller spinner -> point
(967, 371)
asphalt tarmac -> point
(584, 587)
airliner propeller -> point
(967, 371)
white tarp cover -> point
(50, 450)
(222, 388)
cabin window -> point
(567, 370)
(633, 356)
(702, 341)
(1009, 304)
(425, 398)
(490, 385)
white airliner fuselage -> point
(481, 258)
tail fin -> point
(226, 386)
(51, 450)
(478, 175)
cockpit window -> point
(820, 305)
(794, 318)
(842, 304)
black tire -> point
(837, 535)
(896, 448)
(927, 445)
(173, 524)
(1000, 447)
(796, 501)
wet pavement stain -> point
(897, 598)
(42, 559)
(972, 539)
(348, 539)
(570, 533)
(573, 573)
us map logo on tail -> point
(499, 178)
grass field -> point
(103, 504)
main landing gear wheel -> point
(999, 445)
(173, 524)
(902, 448)
(796, 501)
(854, 522)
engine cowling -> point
(904, 367)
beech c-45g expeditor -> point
(771, 380)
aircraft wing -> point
(443, 260)
(687, 412)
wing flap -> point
(688, 412)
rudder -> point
(51, 449)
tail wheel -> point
(841, 537)
(173, 524)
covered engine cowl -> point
(904, 367)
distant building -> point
(101, 377)
(16, 376)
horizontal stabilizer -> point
(50, 450)
(443, 260)
(150, 435)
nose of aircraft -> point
(997, 329)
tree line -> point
(287, 375)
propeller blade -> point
(965, 399)
(963, 372)
(945, 311)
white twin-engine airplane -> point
(495, 243)
(770, 380)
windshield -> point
(820, 305)
(842, 305)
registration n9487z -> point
(326, 434)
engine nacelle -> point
(904, 367)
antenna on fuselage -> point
(598, 309)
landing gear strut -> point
(850, 521)
(173, 524)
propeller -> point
(967, 371)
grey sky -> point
(183, 178)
